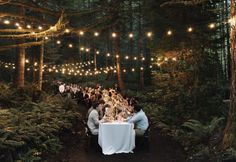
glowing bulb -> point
(67, 30)
(87, 50)
(135, 58)
(17, 24)
(46, 38)
(58, 42)
(40, 27)
(117, 56)
(124, 70)
(212, 25)
(70, 45)
(169, 32)
(6, 22)
(166, 59)
(143, 59)
(150, 66)
(81, 48)
(133, 70)
(96, 34)
(19, 27)
(35, 64)
(149, 34)
(26, 61)
(126, 57)
(28, 26)
(141, 68)
(131, 35)
(174, 59)
(108, 54)
(190, 29)
(152, 59)
(113, 35)
(81, 33)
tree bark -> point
(118, 64)
(230, 129)
(40, 74)
(20, 68)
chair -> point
(142, 142)
(91, 139)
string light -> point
(131, 35)
(143, 59)
(46, 38)
(96, 34)
(87, 49)
(135, 58)
(126, 57)
(35, 64)
(70, 45)
(150, 66)
(67, 30)
(174, 59)
(97, 52)
(58, 42)
(212, 26)
(169, 32)
(28, 26)
(81, 33)
(133, 70)
(27, 61)
(113, 35)
(19, 27)
(141, 68)
(190, 29)
(117, 56)
(108, 54)
(40, 27)
(124, 70)
(166, 59)
(149, 34)
(6, 22)
(81, 48)
(17, 24)
(152, 59)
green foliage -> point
(201, 132)
(29, 130)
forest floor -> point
(161, 149)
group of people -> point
(106, 105)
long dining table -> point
(116, 137)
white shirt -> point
(140, 120)
(93, 121)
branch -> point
(30, 18)
(2, 2)
(29, 44)
(33, 7)
(17, 31)
(54, 30)
(185, 2)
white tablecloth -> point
(116, 137)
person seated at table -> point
(93, 119)
(140, 120)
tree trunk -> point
(20, 64)
(118, 64)
(40, 73)
(20, 68)
(230, 129)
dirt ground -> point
(161, 149)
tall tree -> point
(230, 129)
